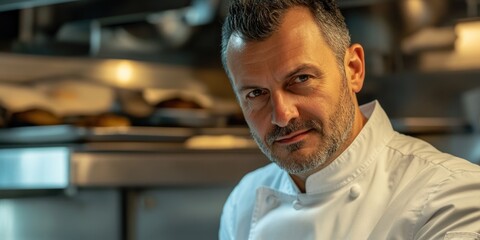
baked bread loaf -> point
(34, 117)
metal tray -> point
(69, 134)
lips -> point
(292, 137)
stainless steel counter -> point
(163, 166)
(117, 190)
(122, 164)
(34, 168)
(60, 157)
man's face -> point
(294, 97)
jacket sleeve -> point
(453, 210)
(227, 220)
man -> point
(339, 171)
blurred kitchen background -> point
(118, 122)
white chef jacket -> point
(385, 185)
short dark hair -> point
(256, 20)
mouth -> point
(293, 137)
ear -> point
(354, 63)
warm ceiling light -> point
(124, 72)
(468, 37)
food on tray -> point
(133, 104)
(34, 117)
(102, 120)
(174, 98)
(178, 103)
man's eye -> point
(255, 93)
(301, 78)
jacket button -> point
(297, 205)
(355, 191)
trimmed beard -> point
(341, 123)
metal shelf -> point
(8, 5)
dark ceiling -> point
(154, 30)
(114, 29)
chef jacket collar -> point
(358, 156)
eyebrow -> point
(302, 68)
(289, 75)
(248, 87)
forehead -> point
(297, 23)
(297, 41)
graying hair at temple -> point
(256, 20)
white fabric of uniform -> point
(385, 185)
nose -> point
(284, 109)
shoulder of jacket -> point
(425, 154)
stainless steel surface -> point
(67, 133)
(164, 168)
(89, 214)
(8, 5)
(126, 190)
(144, 74)
(43, 134)
(422, 95)
(122, 164)
(174, 28)
(34, 168)
(181, 213)
(115, 29)
(470, 103)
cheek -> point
(256, 113)
(257, 123)
(315, 109)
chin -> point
(298, 163)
